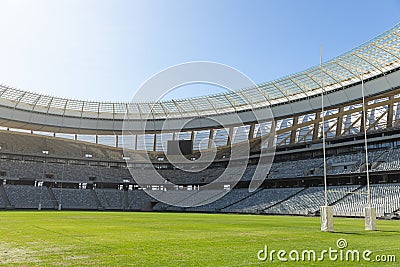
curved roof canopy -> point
(370, 59)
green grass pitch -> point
(69, 238)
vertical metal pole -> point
(323, 131)
(365, 142)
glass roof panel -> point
(170, 107)
(338, 71)
(12, 94)
(133, 108)
(220, 102)
(307, 82)
(321, 76)
(58, 103)
(288, 86)
(145, 108)
(74, 105)
(106, 107)
(120, 108)
(29, 98)
(44, 101)
(202, 104)
(271, 91)
(237, 98)
(156, 108)
(91, 107)
(254, 95)
(185, 106)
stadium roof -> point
(377, 56)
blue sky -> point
(104, 50)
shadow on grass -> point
(347, 233)
(387, 231)
(365, 232)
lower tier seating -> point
(346, 200)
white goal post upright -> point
(326, 211)
(369, 211)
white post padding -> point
(370, 218)
(326, 219)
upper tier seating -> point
(33, 170)
(35, 144)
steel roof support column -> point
(271, 136)
(294, 130)
(363, 120)
(339, 122)
(389, 120)
(230, 136)
(136, 138)
(210, 138)
(154, 142)
(251, 131)
(192, 136)
(316, 126)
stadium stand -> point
(385, 198)
(230, 198)
(28, 197)
(309, 201)
(25, 143)
(72, 171)
(389, 161)
(110, 199)
(2, 196)
(296, 168)
(41, 169)
(262, 200)
(75, 198)
(138, 199)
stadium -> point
(69, 159)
